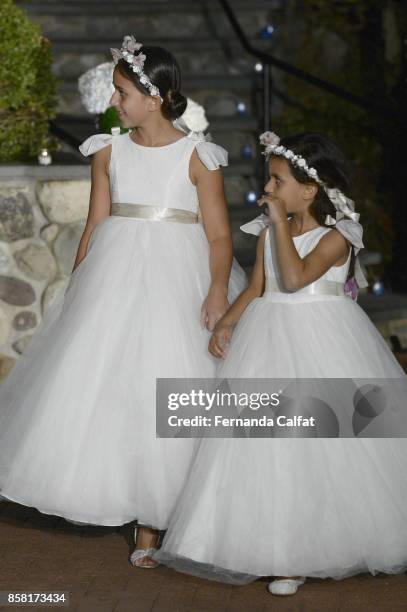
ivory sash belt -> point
(318, 287)
(143, 211)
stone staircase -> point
(217, 73)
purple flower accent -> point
(269, 138)
(351, 288)
(116, 54)
(138, 60)
(130, 43)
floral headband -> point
(345, 207)
(127, 52)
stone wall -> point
(42, 215)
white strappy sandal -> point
(140, 553)
(286, 586)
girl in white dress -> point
(77, 417)
(293, 508)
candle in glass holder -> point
(44, 158)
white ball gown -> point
(286, 506)
(77, 412)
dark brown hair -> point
(162, 69)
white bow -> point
(345, 207)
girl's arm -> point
(223, 331)
(212, 202)
(99, 204)
(296, 273)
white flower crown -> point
(127, 52)
(345, 207)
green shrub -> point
(28, 96)
(109, 119)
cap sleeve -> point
(95, 143)
(210, 154)
(256, 225)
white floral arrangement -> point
(96, 89)
(194, 118)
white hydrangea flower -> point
(95, 87)
(194, 117)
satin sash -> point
(143, 211)
(319, 287)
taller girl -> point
(77, 425)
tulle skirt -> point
(77, 412)
(329, 507)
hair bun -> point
(174, 105)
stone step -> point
(223, 134)
(197, 43)
(83, 127)
(70, 103)
(217, 82)
(190, 22)
(218, 95)
(112, 7)
(72, 60)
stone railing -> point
(42, 215)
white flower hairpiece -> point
(127, 52)
(345, 207)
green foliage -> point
(109, 119)
(28, 97)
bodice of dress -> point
(155, 176)
(304, 244)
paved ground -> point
(40, 552)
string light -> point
(251, 198)
(378, 288)
(241, 108)
(247, 151)
(267, 32)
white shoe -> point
(286, 586)
(139, 553)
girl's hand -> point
(214, 307)
(277, 208)
(220, 340)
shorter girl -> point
(297, 507)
